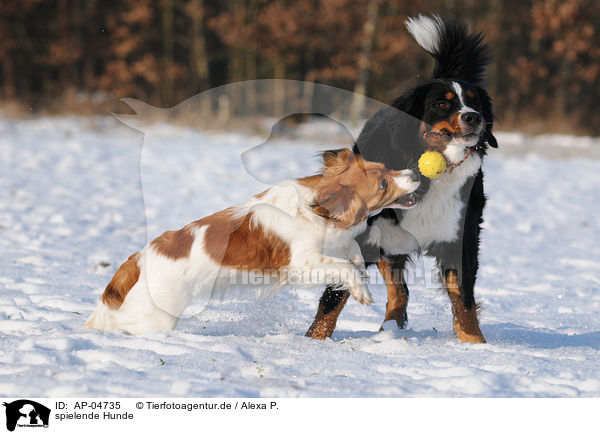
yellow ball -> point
(431, 164)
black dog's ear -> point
(490, 139)
(391, 135)
(487, 110)
(413, 101)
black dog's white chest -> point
(436, 218)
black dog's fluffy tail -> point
(458, 53)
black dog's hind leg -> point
(397, 290)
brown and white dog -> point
(294, 226)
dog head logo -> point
(26, 413)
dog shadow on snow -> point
(420, 335)
(496, 334)
(508, 333)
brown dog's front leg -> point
(397, 292)
(330, 306)
(466, 323)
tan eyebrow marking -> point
(470, 94)
(449, 95)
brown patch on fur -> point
(470, 94)
(466, 323)
(397, 297)
(238, 242)
(455, 124)
(449, 95)
(310, 181)
(443, 125)
(174, 244)
(123, 280)
(261, 194)
(449, 127)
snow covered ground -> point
(72, 209)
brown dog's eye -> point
(442, 105)
(383, 184)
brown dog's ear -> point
(341, 205)
(337, 160)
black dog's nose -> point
(471, 118)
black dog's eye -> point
(444, 105)
(383, 184)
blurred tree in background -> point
(60, 54)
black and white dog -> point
(452, 114)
